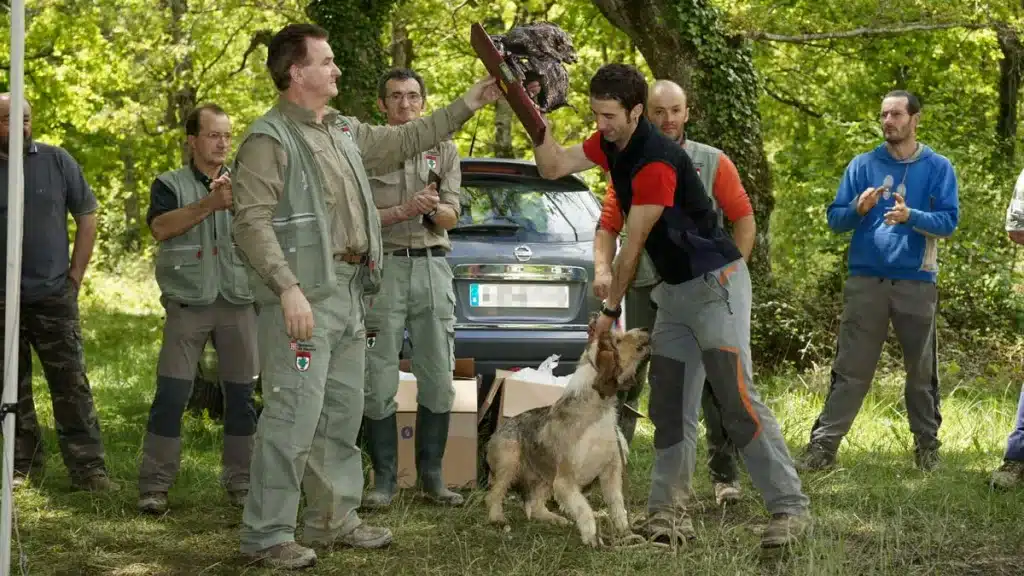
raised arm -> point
(382, 147)
(555, 161)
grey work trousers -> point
(713, 310)
(869, 304)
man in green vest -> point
(667, 110)
(205, 290)
(306, 224)
(417, 295)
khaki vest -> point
(394, 188)
(196, 266)
(300, 219)
(705, 160)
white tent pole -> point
(15, 213)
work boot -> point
(1009, 475)
(784, 529)
(926, 458)
(286, 555)
(727, 492)
(816, 457)
(672, 528)
(96, 483)
(365, 536)
(153, 503)
(237, 497)
(431, 437)
(382, 441)
(20, 477)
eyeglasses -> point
(218, 136)
(412, 97)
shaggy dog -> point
(560, 449)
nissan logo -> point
(523, 253)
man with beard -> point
(898, 200)
(54, 186)
(204, 289)
(667, 109)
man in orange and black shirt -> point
(704, 294)
(667, 109)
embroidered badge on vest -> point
(431, 160)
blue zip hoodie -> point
(905, 251)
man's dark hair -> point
(913, 104)
(620, 82)
(288, 47)
(399, 74)
(192, 120)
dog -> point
(559, 450)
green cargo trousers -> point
(313, 404)
(416, 293)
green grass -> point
(876, 514)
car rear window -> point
(527, 211)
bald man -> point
(667, 109)
(50, 280)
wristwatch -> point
(612, 313)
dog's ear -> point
(608, 367)
(591, 326)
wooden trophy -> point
(510, 85)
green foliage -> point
(355, 27)
(109, 80)
(820, 109)
(440, 38)
(106, 80)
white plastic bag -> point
(543, 374)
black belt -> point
(352, 258)
(420, 252)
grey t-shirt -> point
(54, 187)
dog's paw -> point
(590, 539)
(498, 519)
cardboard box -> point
(517, 395)
(459, 465)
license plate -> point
(518, 296)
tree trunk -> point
(355, 28)
(686, 41)
(503, 117)
(1009, 91)
(132, 241)
(401, 44)
(182, 101)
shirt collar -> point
(304, 115)
(203, 178)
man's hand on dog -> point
(604, 324)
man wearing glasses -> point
(418, 202)
(205, 291)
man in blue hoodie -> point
(898, 200)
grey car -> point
(522, 260)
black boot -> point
(431, 437)
(382, 441)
